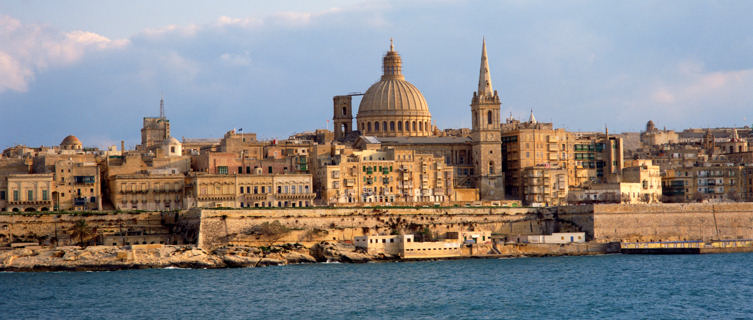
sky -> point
(94, 69)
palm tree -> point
(81, 230)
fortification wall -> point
(669, 222)
(54, 228)
(220, 227)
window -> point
(269, 169)
(368, 127)
(2, 195)
(489, 117)
(44, 195)
(15, 195)
(399, 126)
(222, 169)
(376, 126)
(256, 189)
(30, 195)
(241, 189)
(172, 149)
(392, 126)
(279, 189)
(240, 170)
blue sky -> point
(94, 69)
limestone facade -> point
(249, 191)
(386, 176)
(155, 192)
(545, 186)
(26, 192)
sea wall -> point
(58, 228)
(308, 226)
(689, 221)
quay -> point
(687, 247)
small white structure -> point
(405, 246)
(564, 237)
(172, 147)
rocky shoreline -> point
(110, 258)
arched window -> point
(368, 127)
(414, 126)
(491, 167)
(475, 118)
(344, 111)
(392, 126)
(420, 126)
(384, 125)
(399, 126)
(376, 126)
(489, 117)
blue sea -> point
(596, 287)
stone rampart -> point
(58, 228)
(668, 222)
(221, 227)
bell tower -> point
(486, 135)
(342, 116)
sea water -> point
(610, 286)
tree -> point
(81, 230)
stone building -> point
(707, 181)
(654, 137)
(155, 130)
(385, 176)
(26, 192)
(147, 191)
(544, 185)
(249, 191)
(77, 185)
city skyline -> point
(274, 70)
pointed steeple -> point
(162, 107)
(484, 78)
(531, 118)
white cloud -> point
(30, 48)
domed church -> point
(393, 107)
(394, 114)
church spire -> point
(162, 106)
(484, 78)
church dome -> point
(71, 143)
(393, 97)
(393, 106)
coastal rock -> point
(329, 252)
(235, 261)
(297, 257)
